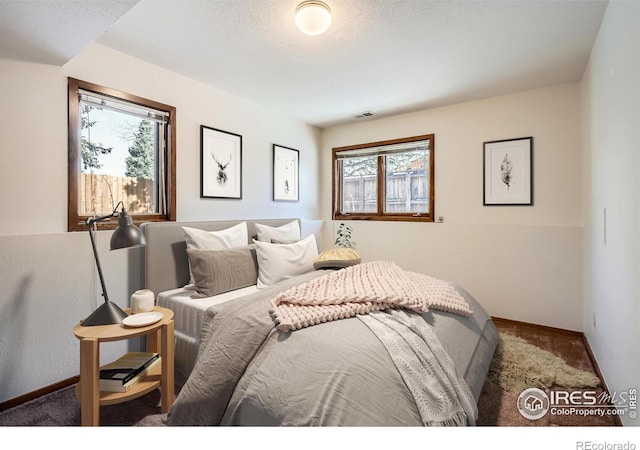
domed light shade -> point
(127, 234)
(313, 17)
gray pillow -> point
(219, 271)
(284, 241)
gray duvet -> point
(334, 374)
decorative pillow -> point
(218, 271)
(287, 232)
(284, 241)
(278, 262)
(337, 258)
(235, 236)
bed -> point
(272, 353)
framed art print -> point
(285, 174)
(508, 172)
(220, 164)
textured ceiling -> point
(383, 56)
(53, 31)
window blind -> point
(384, 150)
(142, 112)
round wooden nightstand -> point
(159, 339)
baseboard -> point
(537, 326)
(39, 393)
(592, 357)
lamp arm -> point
(90, 221)
(109, 313)
(95, 254)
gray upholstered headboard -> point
(166, 264)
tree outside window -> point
(121, 149)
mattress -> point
(188, 317)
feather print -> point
(505, 170)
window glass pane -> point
(385, 180)
(407, 182)
(119, 154)
(360, 184)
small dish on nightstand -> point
(142, 319)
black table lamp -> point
(126, 235)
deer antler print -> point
(222, 168)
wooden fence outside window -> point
(100, 193)
(405, 192)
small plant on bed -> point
(343, 238)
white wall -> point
(199, 104)
(611, 117)
(521, 262)
(47, 279)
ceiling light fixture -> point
(313, 17)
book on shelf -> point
(129, 367)
(132, 382)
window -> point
(389, 180)
(121, 148)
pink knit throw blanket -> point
(362, 289)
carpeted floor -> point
(62, 408)
(497, 405)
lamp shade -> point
(127, 234)
(313, 17)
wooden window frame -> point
(76, 221)
(380, 215)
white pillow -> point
(278, 262)
(197, 239)
(287, 232)
(235, 236)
